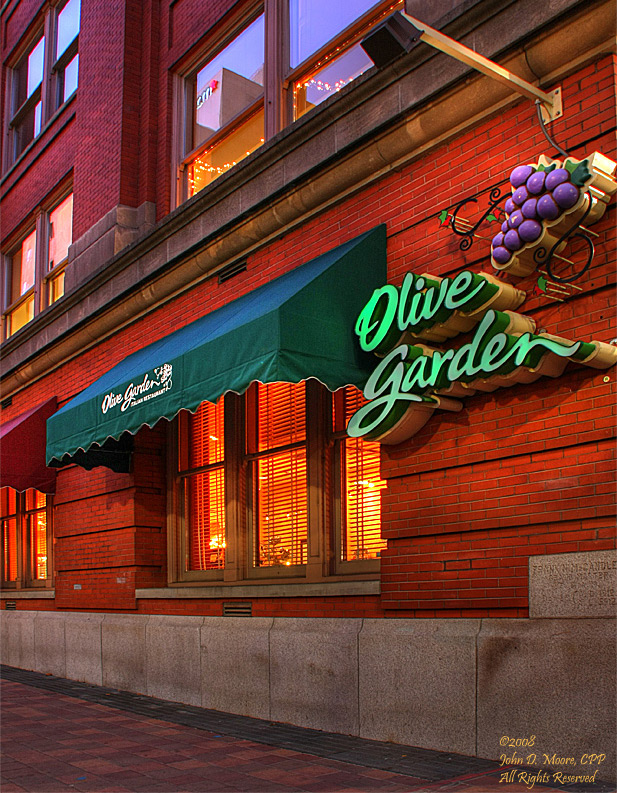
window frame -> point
(16, 115)
(9, 306)
(47, 275)
(251, 458)
(58, 65)
(38, 221)
(324, 494)
(182, 474)
(278, 97)
(333, 49)
(183, 118)
(342, 565)
(25, 578)
(48, 92)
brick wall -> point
(518, 472)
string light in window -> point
(320, 85)
(333, 54)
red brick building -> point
(163, 160)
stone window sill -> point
(320, 589)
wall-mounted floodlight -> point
(399, 33)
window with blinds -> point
(361, 485)
(204, 489)
(276, 446)
(36, 520)
(25, 537)
(262, 507)
(9, 534)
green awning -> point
(298, 326)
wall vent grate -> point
(235, 268)
(10, 605)
(237, 609)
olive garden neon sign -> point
(414, 379)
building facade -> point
(202, 206)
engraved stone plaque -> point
(573, 584)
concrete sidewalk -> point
(61, 735)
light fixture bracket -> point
(400, 32)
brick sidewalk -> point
(54, 741)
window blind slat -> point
(280, 477)
(363, 485)
(205, 492)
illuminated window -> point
(361, 485)
(22, 276)
(309, 51)
(36, 266)
(225, 118)
(276, 445)
(26, 538)
(203, 479)
(325, 54)
(60, 236)
(281, 476)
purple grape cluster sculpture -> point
(541, 196)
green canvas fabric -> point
(298, 326)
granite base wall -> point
(450, 685)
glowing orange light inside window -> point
(205, 491)
(280, 476)
(362, 491)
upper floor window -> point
(246, 91)
(66, 57)
(225, 113)
(316, 48)
(34, 268)
(27, 97)
(21, 278)
(60, 236)
(248, 481)
(26, 538)
(43, 78)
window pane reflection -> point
(68, 26)
(60, 232)
(229, 83)
(317, 87)
(35, 67)
(314, 22)
(70, 78)
(224, 155)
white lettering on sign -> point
(207, 92)
(136, 393)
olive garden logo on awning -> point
(413, 379)
(136, 393)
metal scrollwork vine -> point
(545, 257)
(495, 198)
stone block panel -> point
(417, 682)
(17, 638)
(123, 651)
(82, 636)
(235, 673)
(314, 673)
(173, 669)
(49, 646)
(554, 679)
